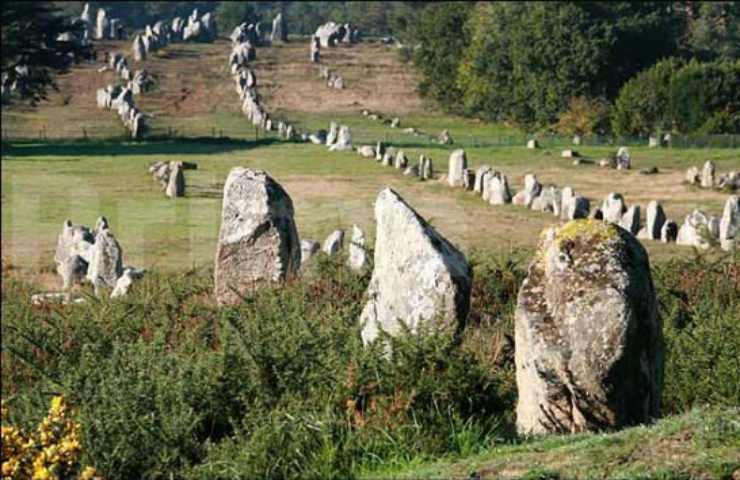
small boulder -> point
(357, 259)
(334, 242)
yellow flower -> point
(88, 474)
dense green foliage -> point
(30, 32)
(524, 62)
(167, 383)
(695, 97)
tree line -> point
(631, 68)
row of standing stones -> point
(698, 229)
(588, 337)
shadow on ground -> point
(204, 145)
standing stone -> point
(669, 231)
(497, 189)
(366, 151)
(309, 248)
(707, 174)
(176, 182)
(106, 259)
(258, 240)
(357, 251)
(532, 144)
(389, 158)
(395, 122)
(729, 225)
(73, 253)
(101, 25)
(444, 138)
(426, 169)
(331, 138)
(653, 141)
(419, 278)
(623, 158)
(549, 200)
(334, 242)
(577, 139)
(401, 160)
(575, 207)
(457, 163)
(588, 337)
(468, 179)
(566, 197)
(695, 230)
(279, 29)
(532, 190)
(631, 219)
(344, 140)
(379, 151)
(693, 176)
(315, 49)
(479, 179)
(138, 49)
(412, 171)
(655, 218)
(613, 208)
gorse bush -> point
(166, 384)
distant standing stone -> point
(258, 240)
(357, 250)
(532, 144)
(457, 163)
(729, 226)
(669, 231)
(588, 342)
(532, 189)
(707, 174)
(444, 138)
(334, 242)
(693, 176)
(106, 261)
(309, 248)
(613, 207)
(176, 182)
(419, 278)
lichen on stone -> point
(593, 229)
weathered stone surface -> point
(613, 207)
(444, 138)
(655, 218)
(631, 219)
(258, 240)
(73, 253)
(707, 174)
(379, 151)
(497, 189)
(653, 142)
(334, 242)
(577, 139)
(623, 159)
(729, 225)
(549, 200)
(357, 259)
(124, 282)
(412, 171)
(389, 158)
(419, 279)
(609, 162)
(101, 24)
(401, 161)
(532, 144)
(395, 122)
(573, 206)
(426, 168)
(315, 49)
(457, 163)
(344, 140)
(532, 189)
(669, 231)
(176, 181)
(309, 248)
(106, 259)
(693, 176)
(331, 138)
(367, 151)
(588, 337)
(569, 153)
(329, 34)
(695, 230)
(480, 174)
(468, 179)
(729, 181)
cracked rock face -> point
(588, 338)
(419, 278)
(258, 240)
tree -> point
(713, 32)
(33, 47)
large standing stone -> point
(334, 242)
(176, 181)
(106, 260)
(401, 160)
(655, 218)
(613, 208)
(532, 189)
(357, 250)
(669, 232)
(480, 179)
(729, 225)
(457, 163)
(588, 336)
(707, 174)
(419, 278)
(258, 240)
(468, 179)
(331, 138)
(73, 253)
(549, 200)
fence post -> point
(84, 133)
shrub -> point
(585, 116)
